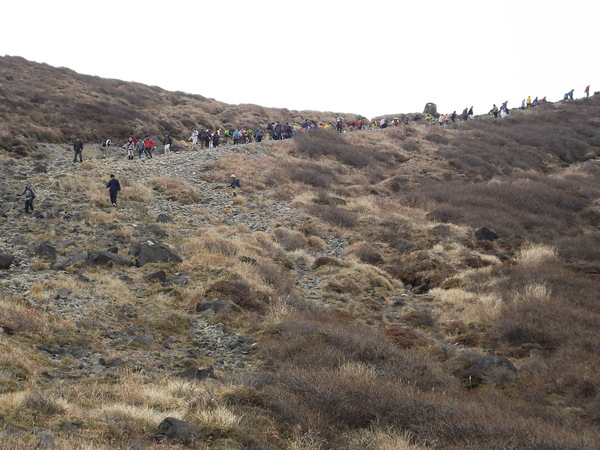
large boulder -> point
(45, 250)
(484, 234)
(175, 430)
(151, 251)
(6, 259)
(430, 108)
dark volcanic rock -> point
(172, 429)
(100, 258)
(45, 250)
(484, 234)
(150, 251)
(6, 259)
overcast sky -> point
(365, 57)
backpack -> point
(31, 192)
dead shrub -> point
(367, 254)
(221, 247)
(273, 277)
(240, 293)
(311, 174)
(289, 239)
(325, 143)
(420, 317)
(334, 215)
(326, 261)
(175, 189)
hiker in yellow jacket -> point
(529, 101)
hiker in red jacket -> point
(149, 145)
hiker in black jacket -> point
(113, 187)
(29, 194)
(78, 149)
(167, 141)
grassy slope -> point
(369, 301)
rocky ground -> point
(56, 241)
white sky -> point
(365, 57)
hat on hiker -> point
(232, 175)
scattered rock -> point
(102, 258)
(159, 276)
(163, 218)
(484, 234)
(6, 259)
(175, 430)
(197, 374)
(150, 251)
(45, 250)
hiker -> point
(523, 104)
(29, 194)
(471, 111)
(494, 111)
(236, 136)
(570, 93)
(149, 145)
(194, 138)
(535, 102)
(113, 187)
(528, 102)
(130, 147)
(259, 136)
(235, 183)
(504, 107)
(140, 148)
(586, 91)
(453, 117)
(167, 141)
(465, 114)
(78, 149)
(207, 138)
(216, 137)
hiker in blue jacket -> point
(235, 183)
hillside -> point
(404, 288)
(41, 103)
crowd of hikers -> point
(143, 148)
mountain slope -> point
(411, 287)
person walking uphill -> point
(29, 194)
(78, 149)
(113, 187)
(235, 184)
(149, 145)
(167, 141)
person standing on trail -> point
(215, 139)
(130, 147)
(149, 145)
(113, 187)
(167, 141)
(140, 146)
(570, 93)
(235, 183)
(29, 194)
(78, 149)
(194, 138)
(586, 91)
(528, 102)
